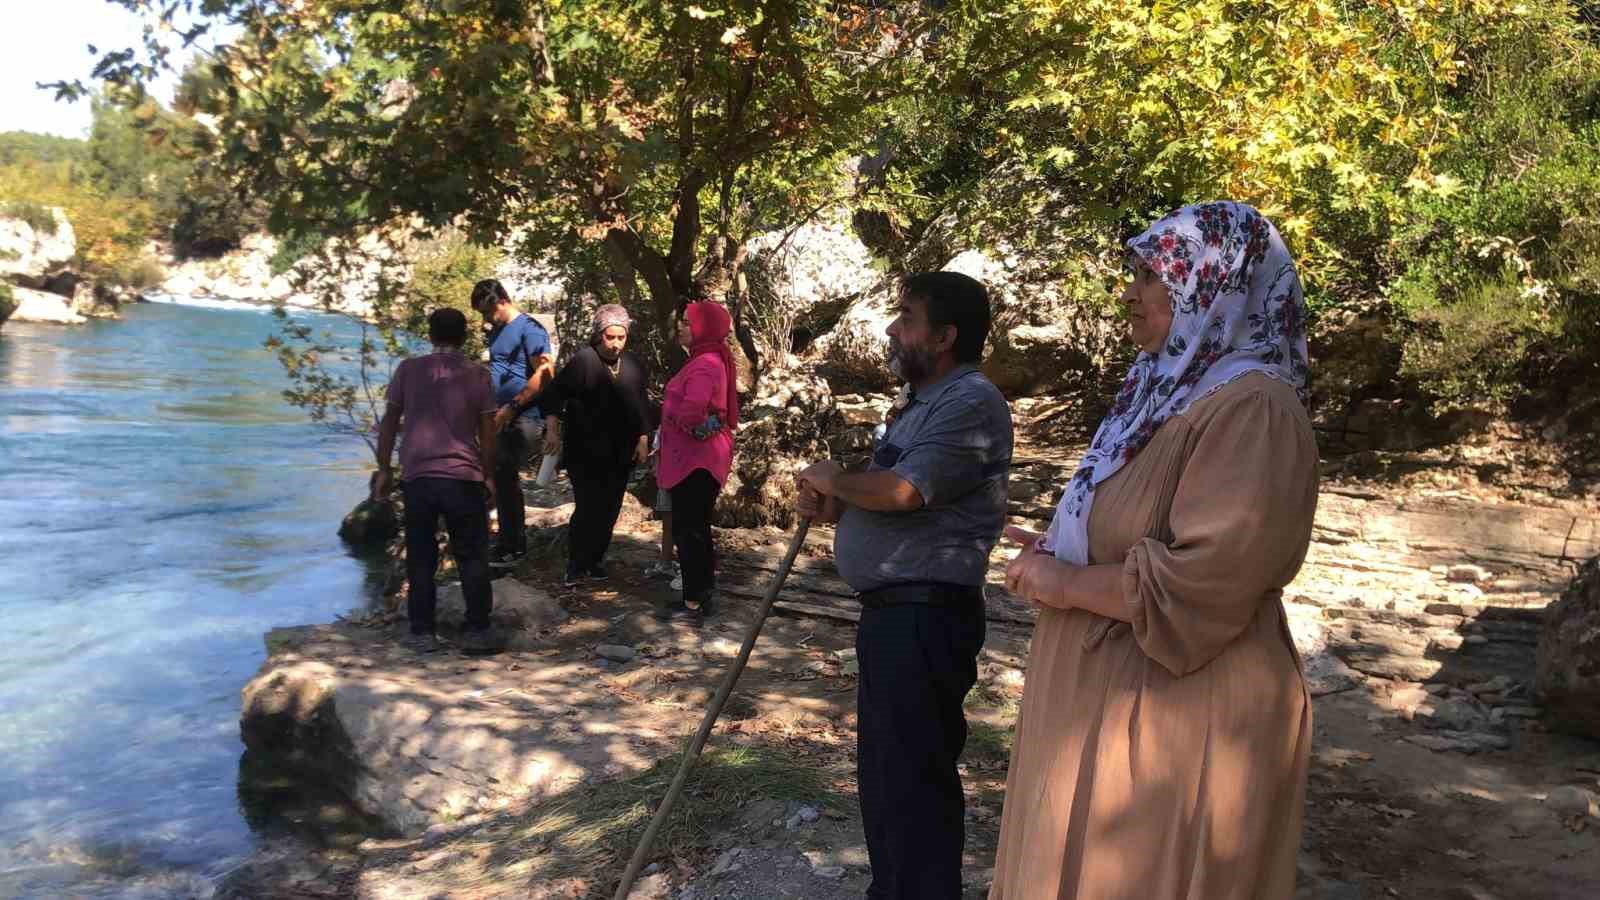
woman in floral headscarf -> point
(1162, 746)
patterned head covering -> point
(1237, 308)
(607, 316)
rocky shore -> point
(1440, 770)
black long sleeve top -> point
(602, 416)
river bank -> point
(531, 773)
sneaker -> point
(504, 559)
(597, 572)
(481, 641)
(572, 577)
(677, 582)
(420, 643)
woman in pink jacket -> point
(698, 418)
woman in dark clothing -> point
(597, 407)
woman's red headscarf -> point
(709, 325)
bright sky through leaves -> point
(48, 40)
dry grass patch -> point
(576, 844)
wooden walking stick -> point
(692, 753)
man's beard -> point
(910, 366)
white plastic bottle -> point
(547, 470)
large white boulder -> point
(39, 306)
(30, 255)
(1569, 656)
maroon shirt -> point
(441, 398)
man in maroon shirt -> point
(447, 409)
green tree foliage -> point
(443, 272)
(27, 147)
(1440, 153)
(111, 231)
(667, 132)
(1432, 150)
(142, 151)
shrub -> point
(293, 248)
(443, 272)
(38, 216)
(1471, 351)
(210, 218)
(143, 274)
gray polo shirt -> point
(953, 444)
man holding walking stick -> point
(914, 536)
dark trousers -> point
(597, 491)
(511, 450)
(917, 664)
(462, 504)
(693, 500)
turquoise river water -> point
(161, 507)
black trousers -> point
(466, 519)
(917, 664)
(597, 490)
(512, 446)
(693, 500)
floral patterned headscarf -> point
(1237, 308)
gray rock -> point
(1568, 680)
(805, 815)
(1452, 715)
(729, 861)
(1496, 685)
(1567, 801)
(1467, 742)
(720, 648)
(652, 886)
(371, 524)
(46, 308)
(1034, 359)
(1327, 674)
(616, 652)
(520, 610)
(1468, 574)
(29, 256)
(1409, 699)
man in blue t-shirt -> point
(521, 363)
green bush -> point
(293, 248)
(1506, 269)
(210, 218)
(25, 146)
(1472, 350)
(442, 274)
(38, 216)
(142, 274)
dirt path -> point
(1429, 780)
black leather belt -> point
(927, 593)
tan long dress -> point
(1167, 759)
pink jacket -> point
(699, 388)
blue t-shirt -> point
(513, 348)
